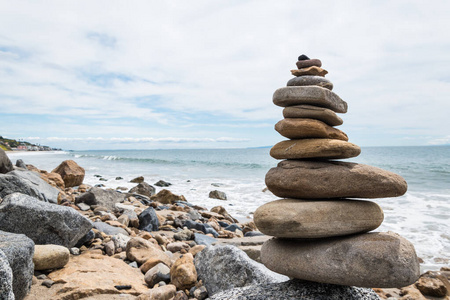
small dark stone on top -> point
(303, 57)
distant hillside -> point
(12, 145)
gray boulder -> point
(108, 229)
(43, 222)
(143, 188)
(295, 289)
(21, 164)
(19, 251)
(6, 278)
(217, 195)
(47, 192)
(226, 267)
(148, 220)
(98, 196)
(5, 163)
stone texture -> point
(313, 112)
(141, 250)
(293, 218)
(384, 260)
(298, 128)
(50, 257)
(148, 220)
(144, 188)
(108, 229)
(165, 292)
(309, 63)
(71, 173)
(29, 183)
(167, 197)
(158, 273)
(313, 70)
(43, 222)
(90, 275)
(217, 195)
(296, 289)
(183, 273)
(226, 267)
(310, 95)
(6, 278)
(308, 80)
(333, 179)
(101, 197)
(19, 251)
(314, 148)
(432, 284)
(5, 163)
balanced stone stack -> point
(320, 226)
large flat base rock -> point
(296, 289)
(383, 260)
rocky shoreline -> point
(62, 239)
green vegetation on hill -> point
(11, 144)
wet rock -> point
(143, 188)
(162, 183)
(48, 257)
(167, 197)
(217, 195)
(71, 173)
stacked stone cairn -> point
(321, 227)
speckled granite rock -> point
(6, 278)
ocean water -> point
(422, 215)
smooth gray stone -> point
(295, 290)
(5, 163)
(202, 239)
(308, 80)
(101, 197)
(313, 112)
(226, 267)
(19, 250)
(375, 260)
(48, 192)
(311, 95)
(43, 222)
(6, 278)
(21, 164)
(108, 229)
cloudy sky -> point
(184, 74)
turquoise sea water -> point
(422, 215)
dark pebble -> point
(303, 57)
(123, 287)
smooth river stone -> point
(314, 148)
(294, 218)
(297, 128)
(310, 80)
(316, 71)
(308, 63)
(375, 260)
(305, 179)
(312, 95)
(313, 112)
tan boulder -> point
(302, 179)
(71, 173)
(90, 274)
(167, 197)
(54, 179)
(141, 250)
(297, 128)
(183, 273)
(313, 70)
(313, 112)
(310, 95)
(314, 148)
(48, 257)
(433, 284)
(384, 260)
(293, 218)
(150, 263)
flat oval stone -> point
(312, 95)
(313, 112)
(375, 260)
(313, 70)
(314, 148)
(294, 218)
(297, 128)
(305, 179)
(310, 80)
(50, 257)
(309, 63)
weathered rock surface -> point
(43, 222)
(296, 289)
(5, 163)
(333, 179)
(310, 95)
(310, 80)
(19, 251)
(297, 128)
(167, 197)
(308, 63)
(217, 195)
(90, 274)
(183, 273)
(28, 183)
(148, 220)
(383, 260)
(158, 273)
(313, 112)
(433, 284)
(144, 188)
(98, 196)
(314, 148)
(226, 267)
(313, 70)
(293, 218)
(6, 278)
(108, 229)
(165, 292)
(48, 257)
(141, 250)
(71, 173)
